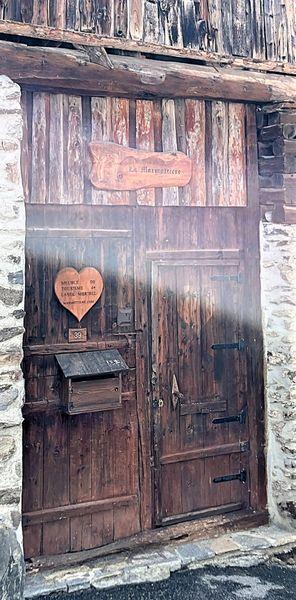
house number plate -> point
(77, 335)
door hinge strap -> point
(231, 346)
(240, 418)
(238, 278)
(241, 476)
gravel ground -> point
(271, 581)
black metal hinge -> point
(240, 418)
(238, 278)
(241, 476)
(231, 346)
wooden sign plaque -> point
(115, 167)
(78, 292)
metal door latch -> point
(241, 476)
(240, 418)
(240, 345)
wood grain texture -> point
(126, 78)
(212, 135)
(211, 30)
(145, 141)
(196, 296)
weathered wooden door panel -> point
(196, 321)
(81, 472)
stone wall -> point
(278, 272)
(12, 233)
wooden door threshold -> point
(199, 529)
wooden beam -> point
(192, 530)
(61, 69)
(27, 30)
(57, 513)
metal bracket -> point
(240, 418)
(124, 317)
(241, 476)
(241, 345)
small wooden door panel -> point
(198, 364)
(81, 471)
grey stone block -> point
(191, 553)
(11, 565)
(39, 586)
(250, 542)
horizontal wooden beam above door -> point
(53, 34)
(61, 69)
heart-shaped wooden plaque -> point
(78, 292)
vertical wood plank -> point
(196, 149)
(80, 477)
(56, 150)
(120, 133)
(219, 153)
(56, 467)
(237, 156)
(40, 139)
(169, 144)
(170, 15)
(104, 22)
(135, 17)
(75, 154)
(33, 463)
(100, 132)
(80, 458)
(253, 322)
(87, 17)
(57, 13)
(26, 8)
(40, 12)
(151, 33)
(157, 119)
(32, 541)
(181, 142)
(72, 15)
(215, 26)
(56, 537)
(143, 397)
(120, 18)
(145, 141)
(26, 144)
(239, 28)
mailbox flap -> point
(90, 364)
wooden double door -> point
(187, 440)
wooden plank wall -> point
(58, 128)
(257, 28)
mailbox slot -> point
(92, 381)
